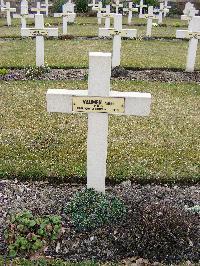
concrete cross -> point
(2, 4)
(99, 9)
(69, 7)
(8, 10)
(130, 11)
(166, 7)
(38, 9)
(117, 5)
(24, 13)
(161, 11)
(193, 34)
(98, 102)
(93, 4)
(46, 6)
(107, 16)
(66, 17)
(141, 6)
(188, 6)
(39, 32)
(150, 16)
(190, 14)
(117, 33)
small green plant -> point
(26, 234)
(36, 72)
(90, 209)
(177, 24)
(194, 209)
(3, 71)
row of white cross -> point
(24, 14)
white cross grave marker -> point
(98, 102)
(193, 34)
(66, 17)
(130, 11)
(161, 11)
(38, 9)
(93, 4)
(46, 6)
(39, 32)
(2, 4)
(117, 5)
(24, 13)
(99, 9)
(190, 14)
(107, 16)
(117, 33)
(141, 6)
(150, 16)
(8, 10)
(187, 8)
(166, 8)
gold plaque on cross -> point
(39, 32)
(94, 104)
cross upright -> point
(66, 17)
(117, 33)
(2, 4)
(161, 11)
(150, 16)
(24, 13)
(166, 8)
(8, 10)
(190, 14)
(39, 32)
(93, 4)
(130, 11)
(38, 9)
(117, 5)
(46, 6)
(98, 102)
(99, 9)
(107, 16)
(141, 6)
(193, 34)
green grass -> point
(74, 53)
(87, 26)
(162, 147)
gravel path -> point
(43, 198)
(118, 73)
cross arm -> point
(185, 34)
(135, 103)
(108, 32)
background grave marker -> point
(39, 32)
(8, 10)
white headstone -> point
(98, 101)
(46, 6)
(150, 16)
(39, 32)
(99, 9)
(160, 12)
(93, 4)
(107, 16)
(117, 5)
(166, 8)
(38, 9)
(67, 17)
(24, 13)
(8, 10)
(117, 33)
(141, 6)
(190, 14)
(130, 11)
(2, 4)
(193, 34)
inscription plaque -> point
(96, 104)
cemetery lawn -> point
(160, 148)
(67, 53)
(87, 26)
